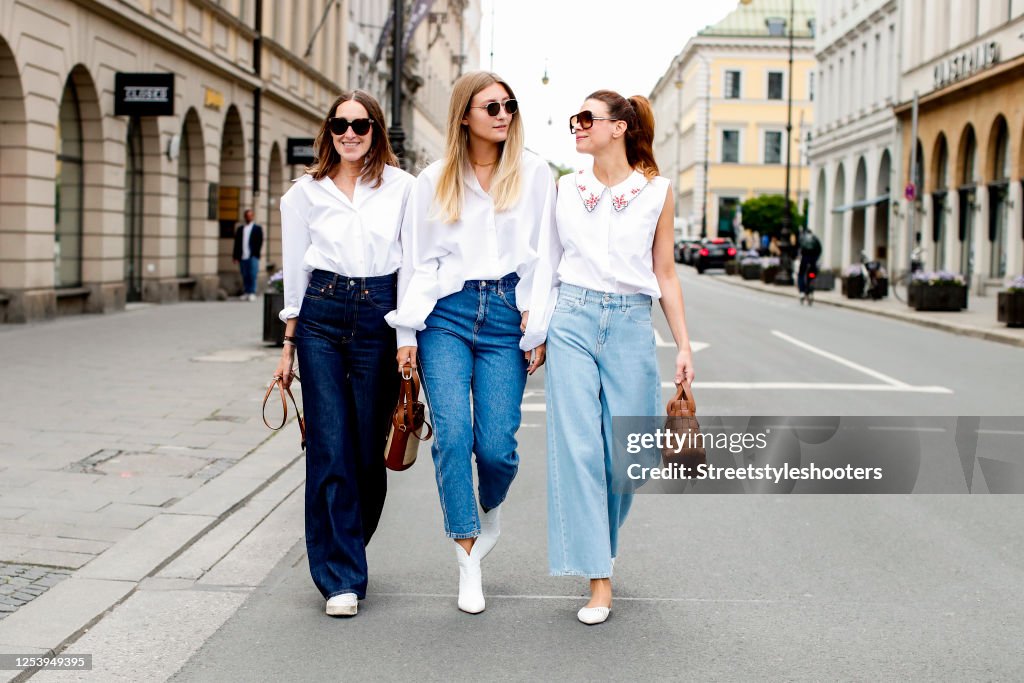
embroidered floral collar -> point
(591, 190)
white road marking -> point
(842, 361)
(660, 342)
(814, 386)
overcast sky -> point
(624, 45)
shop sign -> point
(214, 99)
(966, 64)
(143, 94)
(300, 151)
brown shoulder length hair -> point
(326, 157)
(639, 117)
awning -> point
(861, 204)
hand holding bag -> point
(682, 424)
(406, 424)
(284, 408)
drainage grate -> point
(89, 464)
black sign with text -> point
(149, 94)
(300, 151)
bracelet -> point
(291, 339)
(289, 342)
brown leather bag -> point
(682, 422)
(284, 408)
(406, 424)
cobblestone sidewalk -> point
(21, 583)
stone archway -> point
(967, 177)
(858, 238)
(276, 186)
(230, 198)
(881, 208)
(14, 218)
(940, 201)
(997, 175)
(838, 236)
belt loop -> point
(334, 282)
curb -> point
(963, 330)
(116, 574)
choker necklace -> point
(482, 165)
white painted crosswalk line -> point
(842, 361)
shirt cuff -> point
(406, 336)
(288, 312)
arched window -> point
(133, 211)
(67, 261)
(184, 203)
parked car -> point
(713, 253)
(683, 247)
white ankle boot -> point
(490, 529)
(471, 590)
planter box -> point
(937, 297)
(273, 328)
(825, 281)
(768, 274)
(751, 271)
(1011, 309)
(732, 268)
(853, 286)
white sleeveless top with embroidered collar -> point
(607, 233)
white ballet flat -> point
(471, 590)
(593, 615)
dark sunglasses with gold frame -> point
(494, 108)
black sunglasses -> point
(585, 120)
(338, 126)
(494, 108)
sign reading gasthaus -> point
(144, 94)
(966, 64)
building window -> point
(773, 147)
(775, 85)
(67, 252)
(732, 85)
(730, 147)
(810, 86)
(727, 210)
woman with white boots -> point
(476, 224)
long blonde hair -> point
(507, 183)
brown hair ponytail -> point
(639, 118)
(640, 138)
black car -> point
(684, 246)
(714, 253)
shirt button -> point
(483, 283)
(607, 298)
(351, 283)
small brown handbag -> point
(406, 424)
(682, 421)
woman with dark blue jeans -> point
(340, 231)
(478, 221)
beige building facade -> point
(855, 194)
(965, 63)
(99, 207)
(721, 112)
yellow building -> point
(724, 98)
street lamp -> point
(395, 134)
(679, 136)
(786, 269)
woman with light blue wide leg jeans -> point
(479, 235)
(615, 227)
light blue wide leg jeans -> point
(601, 363)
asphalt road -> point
(710, 587)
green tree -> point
(764, 214)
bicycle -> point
(902, 283)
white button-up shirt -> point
(607, 233)
(322, 229)
(246, 234)
(483, 244)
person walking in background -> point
(246, 254)
(472, 301)
(615, 225)
(340, 233)
(810, 252)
